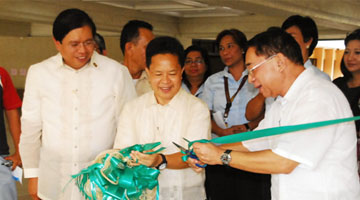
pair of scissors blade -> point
(181, 148)
(189, 153)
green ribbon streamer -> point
(239, 137)
(118, 180)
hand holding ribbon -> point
(114, 175)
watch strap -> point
(163, 161)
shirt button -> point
(76, 108)
(75, 146)
(75, 165)
(76, 128)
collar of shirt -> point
(297, 86)
(93, 62)
(174, 102)
(230, 76)
(143, 75)
(308, 64)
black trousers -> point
(226, 183)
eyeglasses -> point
(197, 62)
(86, 44)
(261, 63)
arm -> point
(228, 131)
(31, 127)
(13, 120)
(174, 160)
(264, 161)
(255, 107)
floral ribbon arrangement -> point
(115, 175)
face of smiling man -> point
(165, 76)
(265, 77)
(77, 47)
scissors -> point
(189, 153)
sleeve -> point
(124, 133)
(31, 125)
(200, 124)
(126, 91)
(208, 95)
(10, 97)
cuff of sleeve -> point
(31, 173)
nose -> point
(165, 78)
(82, 48)
(251, 78)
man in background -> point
(100, 46)
(10, 103)
(134, 39)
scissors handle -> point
(193, 156)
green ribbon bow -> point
(239, 137)
(114, 178)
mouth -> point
(82, 58)
(165, 89)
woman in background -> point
(350, 67)
(196, 67)
(349, 84)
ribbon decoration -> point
(239, 137)
(115, 176)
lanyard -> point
(228, 99)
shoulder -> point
(53, 61)
(3, 72)
(215, 78)
(339, 81)
(108, 63)
(191, 101)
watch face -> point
(225, 158)
(162, 166)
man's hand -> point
(33, 188)
(146, 159)
(15, 158)
(208, 153)
(234, 129)
(192, 163)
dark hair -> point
(355, 35)
(71, 19)
(100, 42)
(164, 45)
(205, 57)
(307, 27)
(276, 41)
(238, 36)
(130, 32)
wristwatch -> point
(226, 157)
(163, 163)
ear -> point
(128, 48)
(147, 70)
(308, 43)
(58, 45)
(281, 62)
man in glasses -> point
(313, 164)
(71, 105)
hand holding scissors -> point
(189, 153)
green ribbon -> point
(114, 179)
(239, 137)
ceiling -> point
(187, 18)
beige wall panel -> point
(329, 61)
(338, 57)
